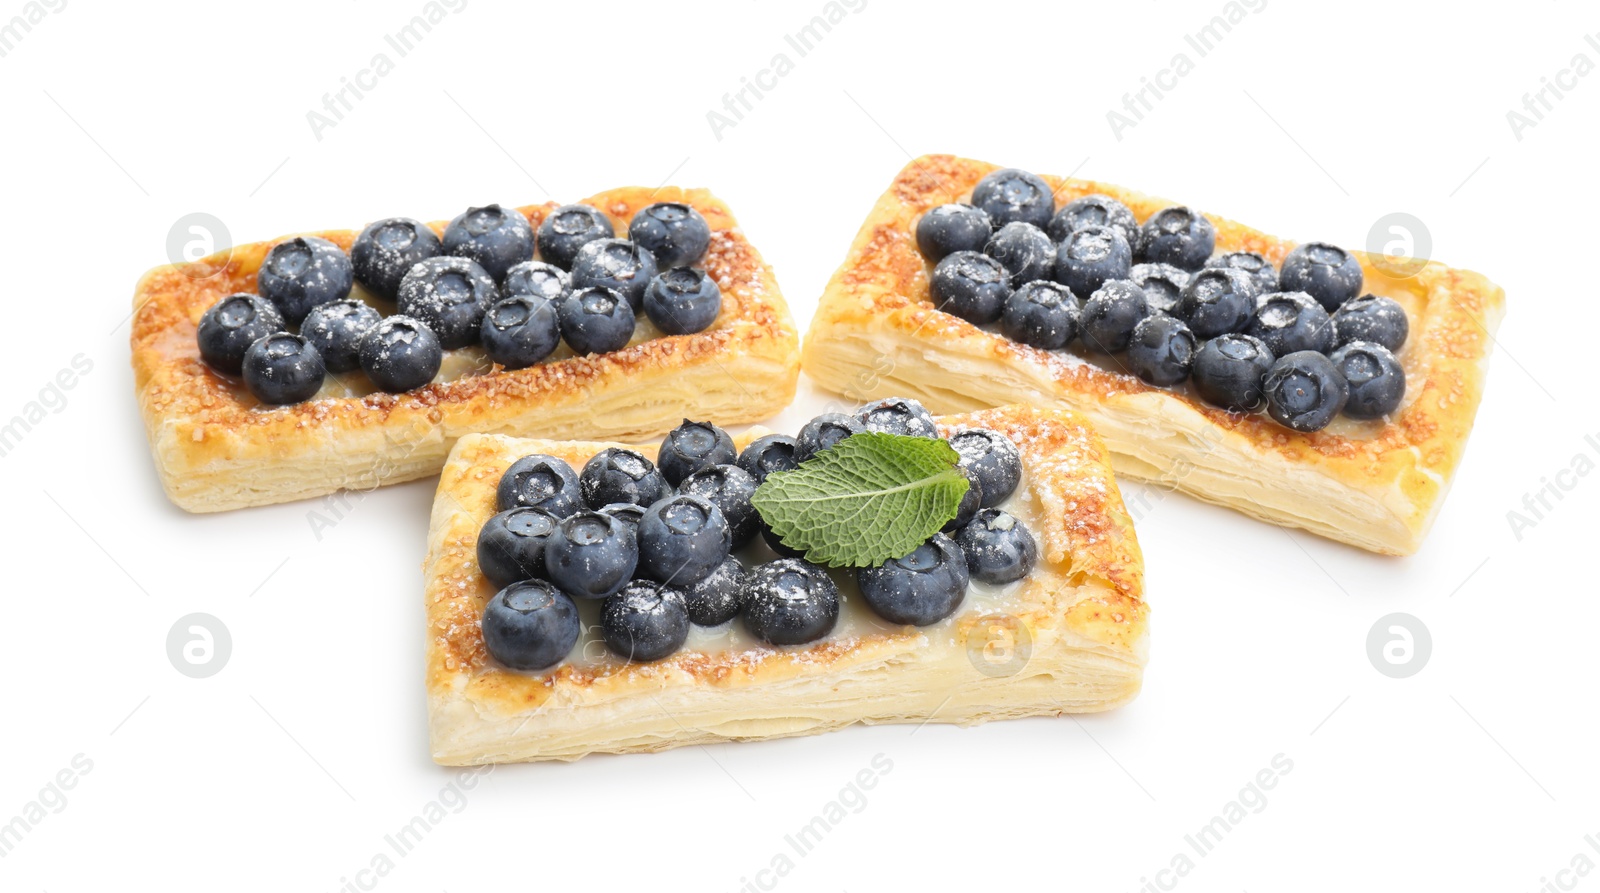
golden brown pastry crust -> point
(1083, 610)
(1377, 486)
(216, 448)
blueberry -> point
(596, 320)
(387, 249)
(970, 285)
(511, 544)
(1012, 195)
(400, 354)
(692, 446)
(1326, 272)
(1288, 321)
(1092, 256)
(1228, 371)
(520, 330)
(1215, 302)
(682, 539)
(568, 229)
(823, 432)
(971, 501)
(1041, 314)
(717, 599)
(1376, 382)
(591, 555)
(231, 325)
(496, 238)
(335, 329)
(767, 455)
(542, 482)
(1161, 351)
(616, 474)
(777, 546)
(282, 368)
(1093, 210)
(898, 415)
(993, 459)
(998, 547)
(450, 295)
(729, 488)
(626, 512)
(675, 233)
(1372, 318)
(1162, 283)
(1177, 236)
(616, 264)
(537, 279)
(1304, 391)
(303, 272)
(645, 621)
(923, 587)
(1260, 270)
(790, 602)
(950, 228)
(1024, 250)
(682, 301)
(1111, 313)
(530, 625)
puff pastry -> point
(1375, 485)
(216, 448)
(1069, 638)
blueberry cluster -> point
(479, 284)
(655, 542)
(1297, 341)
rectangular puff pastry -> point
(216, 448)
(1374, 485)
(1070, 638)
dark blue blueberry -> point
(970, 285)
(768, 455)
(1041, 314)
(231, 325)
(626, 512)
(1162, 350)
(898, 415)
(335, 329)
(1288, 321)
(591, 555)
(568, 229)
(401, 354)
(1375, 380)
(1326, 272)
(682, 301)
(616, 474)
(823, 432)
(1111, 313)
(520, 330)
(387, 249)
(537, 279)
(1091, 257)
(495, 238)
(1216, 302)
(1024, 250)
(303, 272)
(682, 539)
(1304, 391)
(542, 482)
(993, 459)
(950, 228)
(511, 544)
(923, 587)
(675, 233)
(717, 599)
(971, 501)
(729, 488)
(692, 446)
(645, 621)
(617, 264)
(1012, 195)
(450, 294)
(1093, 210)
(790, 602)
(1162, 283)
(596, 320)
(1263, 275)
(1229, 369)
(1177, 236)
(530, 625)
(777, 546)
(998, 547)
(282, 368)
(1372, 318)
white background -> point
(285, 770)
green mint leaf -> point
(869, 498)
